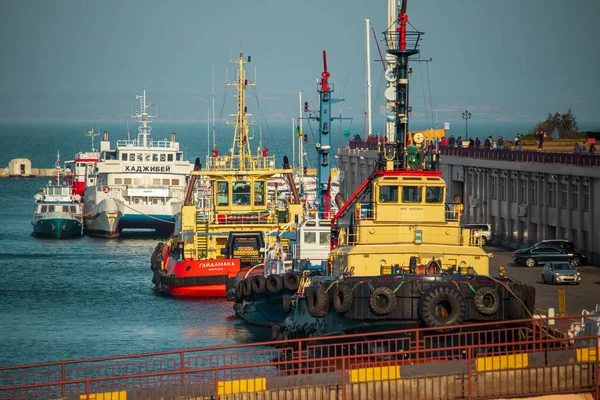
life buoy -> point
(274, 283)
(105, 189)
(258, 284)
(342, 298)
(383, 301)
(442, 306)
(486, 300)
(317, 302)
(286, 304)
(291, 281)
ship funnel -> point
(173, 137)
(105, 136)
(339, 200)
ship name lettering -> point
(147, 168)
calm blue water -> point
(86, 297)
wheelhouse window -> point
(44, 209)
(310, 237)
(166, 182)
(118, 181)
(155, 157)
(140, 157)
(131, 157)
(147, 157)
(240, 193)
(50, 208)
(434, 194)
(388, 194)
(163, 157)
(222, 193)
(412, 194)
(324, 238)
(73, 209)
(127, 181)
(175, 182)
(65, 209)
(169, 157)
(123, 156)
(156, 181)
(259, 193)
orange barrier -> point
(522, 358)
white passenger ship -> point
(139, 185)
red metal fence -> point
(522, 358)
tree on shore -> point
(564, 124)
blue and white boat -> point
(57, 212)
(138, 185)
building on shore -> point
(21, 168)
(526, 196)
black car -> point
(543, 252)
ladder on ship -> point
(201, 235)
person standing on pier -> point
(518, 142)
(477, 143)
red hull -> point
(196, 291)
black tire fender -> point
(246, 288)
(317, 302)
(258, 284)
(382, 301)
(291, 281)
(486, 300)
(286, 304)
(239, 290)
(451, 301)
(342, 298)
(274, 283)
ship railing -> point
(496, 359)
(163, 144)
(366, 211)
(392, 39)
(236, 163)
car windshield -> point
(563, 267)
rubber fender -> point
(156, 278)
(238, 308)
(247, 288)
(450, 300)
(486, 300)
(317, 302)
(286, 304)
(274, 283)
(291, 281)
(258, 284)
(239, 291)
(382, 301)
(342, 298)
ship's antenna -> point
(128, 138)
(213, 107)
(368, 61)
(144, 119)
(91, 134)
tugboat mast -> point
(144, 119)
(241, 142)
(402, 44)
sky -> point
(510, 60)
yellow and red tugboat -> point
(234, 219)
(400, 257)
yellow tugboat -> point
(400, 257)
(224, 233)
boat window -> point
(73, 209)
(156, 181)
(65, 209)
(240, 193)
(118, 181)
(123, 156)
(131, 156)
(155, 157)
(411, 194)
(434, 194)
(166, 182)
(137, 181)
(147, 157)
(127, 181)
(407, 178)
(140, 157)
(162, 157)
(178, 158)
(310, 237)
(324, 238)
(222, 193)
(169, 157)
(259, 193)
(311, 223)
(50, 208)
(44, 209)
(388, 194)
(175, 182)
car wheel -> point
(553, 280)
(575, 262)
(483, 240)
(530, 262)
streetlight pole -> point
(466, 116)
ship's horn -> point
(339, 200)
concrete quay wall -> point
(21, 168)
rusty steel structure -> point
(521, 358)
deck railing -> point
(521, 358)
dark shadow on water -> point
(144, 235)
